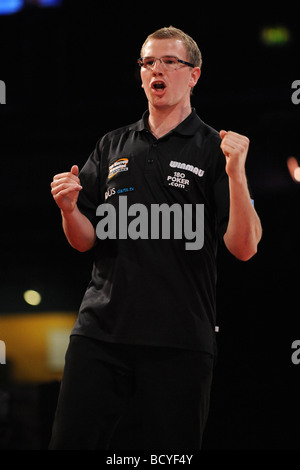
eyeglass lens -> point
(169, 62)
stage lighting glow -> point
(32, 297)
(8, 7)
(294, 169)
(50, 3)
(275, 36)
(297, 174)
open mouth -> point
(158, 86)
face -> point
(177, 84)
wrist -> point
(239, 178)
(67, 213)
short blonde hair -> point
(193, 51)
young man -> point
(145, 329)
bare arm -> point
(244, 228)
(78, 229)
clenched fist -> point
(235, 148)
(65, 188)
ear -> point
(142, 85)
(195, 75)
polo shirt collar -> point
(187, 127)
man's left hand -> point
(235, 148)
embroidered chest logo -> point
(178, 178)
(117, 167)
(187, 167)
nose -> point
(157, 67)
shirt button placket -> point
(151, 157)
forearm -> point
(79, 231)
(244, 228)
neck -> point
(163, 120)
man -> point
(145, 329)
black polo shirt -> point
(152, 290)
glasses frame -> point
(141, 61)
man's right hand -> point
(65, 188)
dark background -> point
(71, 76)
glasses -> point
(168, 62)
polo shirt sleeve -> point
(91, 195)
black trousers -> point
(163, 393)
